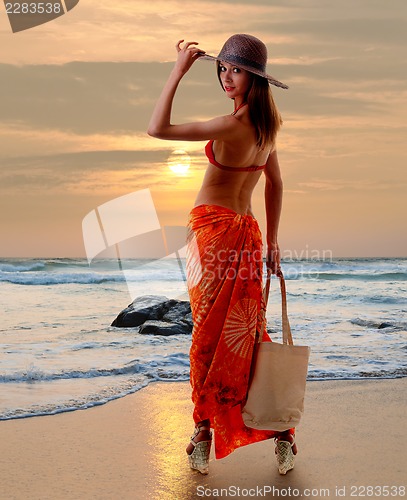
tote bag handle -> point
(287, 337)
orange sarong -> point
(224, 277)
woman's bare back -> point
(232, 186)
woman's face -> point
(235, 81)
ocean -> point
(59, 353)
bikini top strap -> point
(237, 109)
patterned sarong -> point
(224, 275)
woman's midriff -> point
(219, 188)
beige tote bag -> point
(275, 400)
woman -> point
(224, 258)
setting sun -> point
(179, 161)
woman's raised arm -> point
(222, 127)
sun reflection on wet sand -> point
(172, 425)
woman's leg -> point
(286, 450)
(199, 448)
(289, 436)
(202, 435)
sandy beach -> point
(352, 437)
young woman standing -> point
(225, 257)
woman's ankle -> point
(203, 423)
(200, 435)
(204, 428)
(288, 436)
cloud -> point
(86, 171)
(100, 97)
(349, 185)
(98, 172)
(347, 32)
(322, 51)
(101, 30)
(118, 98)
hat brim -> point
(271, 79)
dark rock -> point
(177, 312)
(165, 328)
(384, 325)
(158, 315)
(188, 319)
(142, 309)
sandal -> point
(285, 455)
(199, 458)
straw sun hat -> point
(246, 52)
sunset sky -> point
(76, 95)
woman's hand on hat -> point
(187, 55)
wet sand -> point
(352, 436)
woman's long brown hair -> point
(263, 110)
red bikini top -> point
(211, 156)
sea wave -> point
(101, 397)
(137, 273)
(59, 278)
(8, 267)
(77, 271)
(176, 367)
(360, 375)
(138, 381)
(24, 265)
(111, 383)
(388, 325)
(160, 367)
(34, 374)
(29, 278)
(344, 275)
